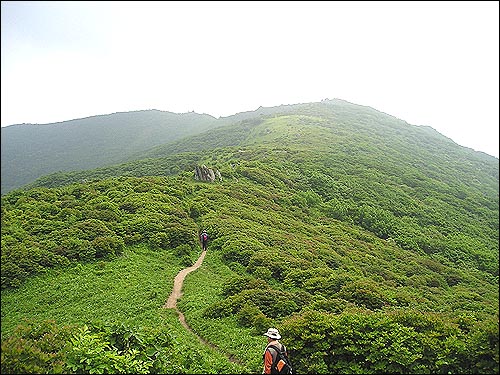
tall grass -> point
(130, 290)
(203, 288)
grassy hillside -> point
(30, 151)
(370, 243)
(405, 183)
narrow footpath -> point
(179, 280)
(177, 293)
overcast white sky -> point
(428, 63)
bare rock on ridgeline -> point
(203, 173)
(219, 176)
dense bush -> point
(85, 222)
(36, 348)
(372, 245)
(45, 347)
(404, 342)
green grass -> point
(202, 288)
(129, 289)
(364, 227)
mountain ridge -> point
(370, 243)
(30, 151)
(108, 115)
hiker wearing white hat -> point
(271, 351)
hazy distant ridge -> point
(30, 151)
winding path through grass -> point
(178, 281)
(177, 293)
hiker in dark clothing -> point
(204, 239)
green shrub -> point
(299, 277)
(262, 272)
(179, 234)
(241, 249)
(186, 261)
(159, 240)
(107, 246)
(221, 309)
(404, 342)
(93, 353)
(248, 314)
(236, 285)
(364, 293)
(481, 351)
(269, 260)
(36, 348)
(183, 250)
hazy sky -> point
(428, 63)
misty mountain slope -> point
(346, 120)
(30, 151)
(332, 221)
(401, 182)
(346, 131)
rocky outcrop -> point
(203, 173)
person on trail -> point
(270, 353)
(204, 239)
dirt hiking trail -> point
(177, 293)
(179, 280)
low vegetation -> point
(370, 256)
